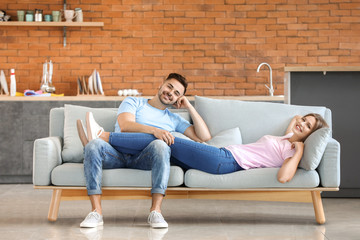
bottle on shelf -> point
(12, 83)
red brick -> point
(328, 59)
(213, 92)
(287, 20)
(319, 53)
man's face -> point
(170, 91)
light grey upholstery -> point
(72, 174)
(329, 167)
(47, 156)
(254, 119)
(252, 178)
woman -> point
(283, 152)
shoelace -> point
(93, 215)
(155, 215)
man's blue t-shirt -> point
(148, 115)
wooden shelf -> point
(53, 24)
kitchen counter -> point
(323, 69)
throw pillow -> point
(225, 138)
(314, 148)
(73, 150)
(222, 139)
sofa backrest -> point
(57, 119)
(254, 119)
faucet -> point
(271, 89)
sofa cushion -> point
(222, 139)
(252, 178)
(254, 119)
(73, 149)
(72, 174)
(314, 149)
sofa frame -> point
(305, 195)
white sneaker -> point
(156, 220)
(92, 220)
(93, 129)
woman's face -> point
(303, 127)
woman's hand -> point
(299, 146)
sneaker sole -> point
(81, 132)
(91, 225)
(159, 225)
(88, 126)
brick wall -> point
(217, 44)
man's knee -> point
(94, 147)
(159, 146)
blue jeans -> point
(188, 153)
(155, 156)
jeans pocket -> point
(229, 167)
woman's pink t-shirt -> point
(267, 152)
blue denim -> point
(188, 153)
(155, 156)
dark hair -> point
(320, 121)
(181, 79)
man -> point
(146, 116)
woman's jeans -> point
(189, 153)
(154, 156)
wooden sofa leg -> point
(318, 207)
(54, 205)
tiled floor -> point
(23, 215)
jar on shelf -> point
(38, 15)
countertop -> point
(323, 69)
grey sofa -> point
(58, 158)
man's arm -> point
(127, 123)
(198, 131)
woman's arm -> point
(289, 167)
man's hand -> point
(182, 102)
(164, 135)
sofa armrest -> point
(329, 167)
(46, 156)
